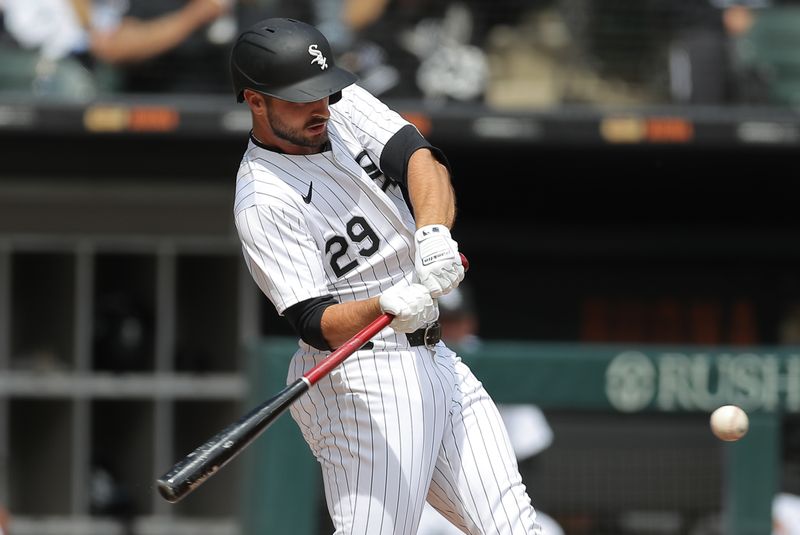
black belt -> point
(427, 336)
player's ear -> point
(256, 101)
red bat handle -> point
(355, 343)
(351, 346)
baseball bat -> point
(205, 461)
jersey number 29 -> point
(359, 232)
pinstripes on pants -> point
(392, 428)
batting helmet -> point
(287, 59)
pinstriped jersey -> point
(319, 224)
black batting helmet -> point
(287, 59)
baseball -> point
(729, 423)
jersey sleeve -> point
(281, 255)
(373, 122)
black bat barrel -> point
(194, 469)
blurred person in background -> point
(527, 426)
(709, 59)
(67, 41)
(786, 514)
(557, 52)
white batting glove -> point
(412, 307)
(436, 260)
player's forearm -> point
(430, 190)
(341, 321)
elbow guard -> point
(398, 151)
(305, 318)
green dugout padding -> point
(283, 477)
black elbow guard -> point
(305, 318)
(398, 150)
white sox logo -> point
(318, 57)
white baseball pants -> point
(391, 429)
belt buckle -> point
(432, 335)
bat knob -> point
(464, 262)
(167, 492)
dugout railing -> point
(639, 389)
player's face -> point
(301, 124)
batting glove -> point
(436, 260)
(412, 307)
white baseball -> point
(729, 423)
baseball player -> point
(344, 213)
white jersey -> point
(318, 224)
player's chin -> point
(318, 139)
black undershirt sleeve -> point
(398, 150)
(305, 318)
